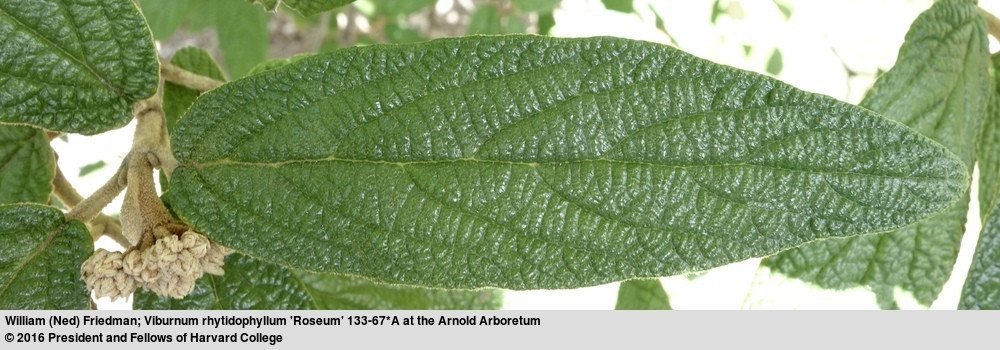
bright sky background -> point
(866, 34)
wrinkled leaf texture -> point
(252, 284)
(27, 165)
(40, 257)
(528, 162)
(74, 65)
(939, 86)
(982, 285)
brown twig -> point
(182, 77)
(88, 209)
(101, 225)
(992, 23)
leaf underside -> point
(938, 87)
(73, 65)
(27, 165)
(982, 286)
(252, 284)
(40, 257)
(527, 162)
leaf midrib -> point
(21, 145)
(41, 248)
(65, 53)
(228, 162)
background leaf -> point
(243, 42)
(252, 284)
(40, 258)
(92, 167)
(536, 5)
(939, 87)
(401, 7)
(267, 5)
(546, 21)
(485, 21)
(240, 27)
(165, 16)
(394, 33)
(642, 295)
(73, 65)
(276, 63)
(774, 63)
(531, 162)
(784, 7)
(982, 286)
(623, 6)
(177, 99)
(27, 165)
(312, 7)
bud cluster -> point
(169, 267)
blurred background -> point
(836, 48)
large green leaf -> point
(312, 7)
(939, 86)
(40, 257)
(530, 162)
(74, 65)
(252, 284)
(27, 165)
(642, 295)
(982, 286)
